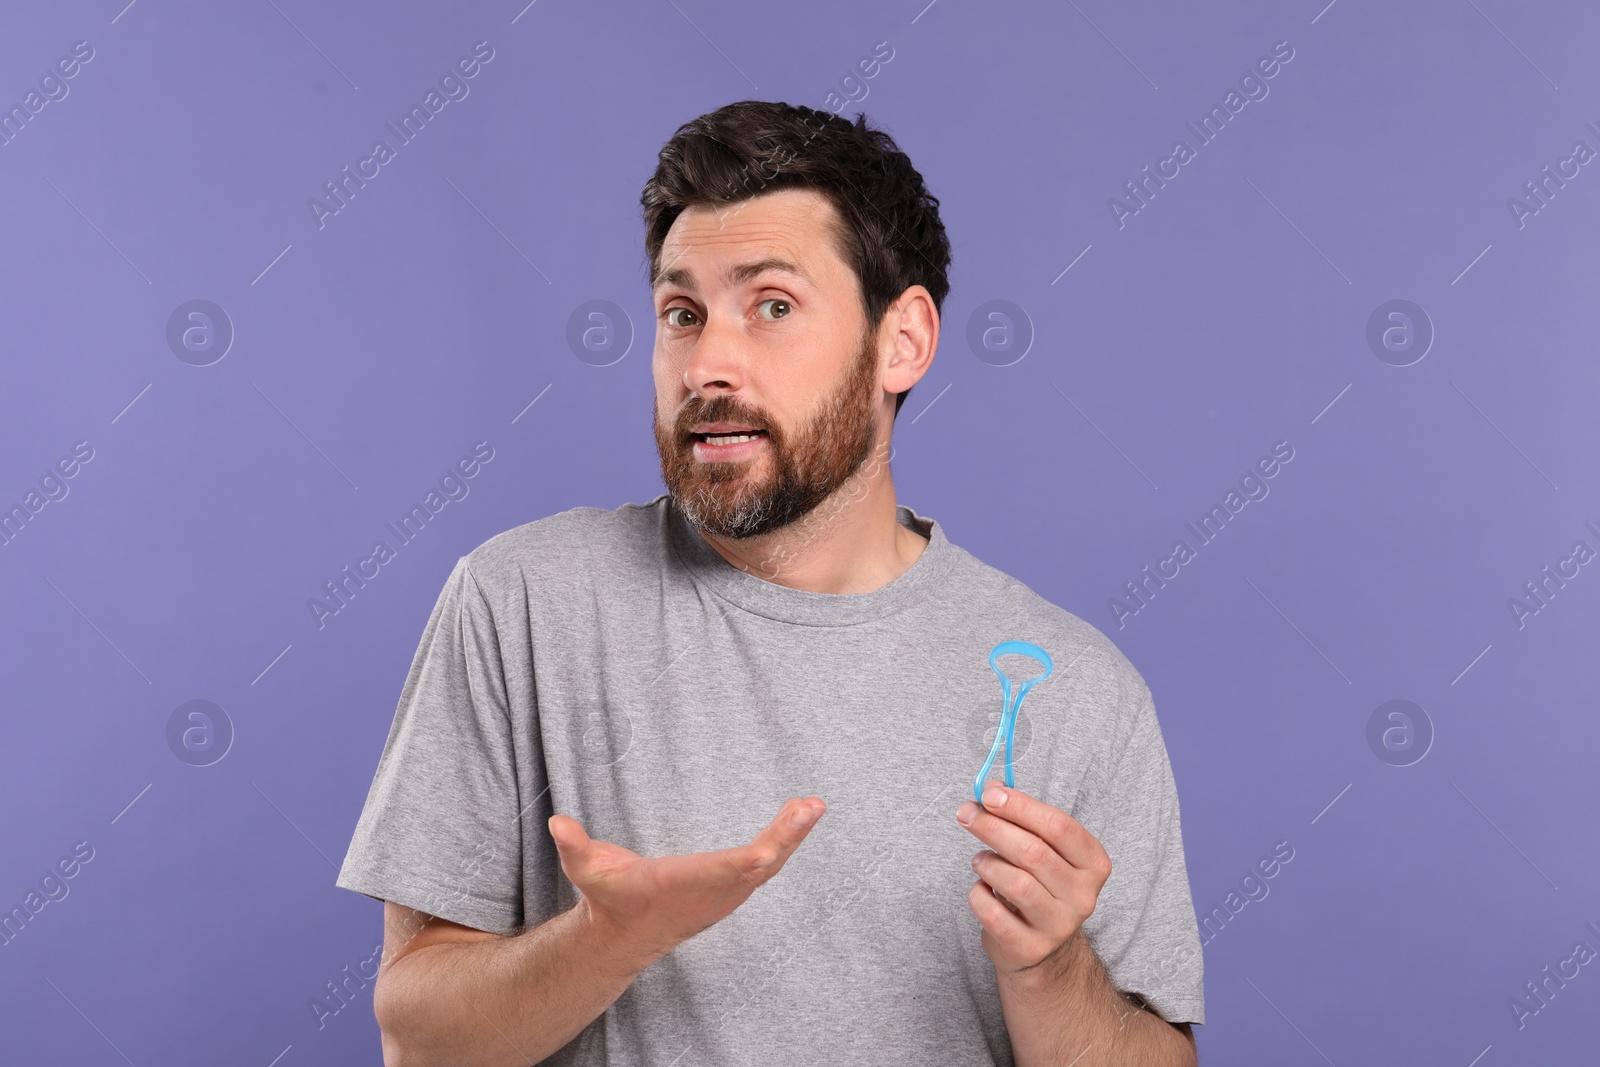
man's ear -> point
(908, 338)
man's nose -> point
(719, 357)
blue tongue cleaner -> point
(1008, 716)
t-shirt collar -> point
(785, 604)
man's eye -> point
(674, 310)
(784, 304)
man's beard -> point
(722, 497)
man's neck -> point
(852, 542)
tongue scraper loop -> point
(1008, 716)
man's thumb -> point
(572, 841)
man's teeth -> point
(730, 438)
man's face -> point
(759, 328)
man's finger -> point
(1023, 849)
(1065, 835)
(572, 840)
(761, 858)
(575, 848)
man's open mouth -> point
(729, 438)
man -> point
(597, 823)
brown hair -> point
(891, 236)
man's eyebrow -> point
(743, 272)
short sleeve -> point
(1143, 927)
(440, 830)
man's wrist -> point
(1053, 974)
(627, 954)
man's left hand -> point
(1038, 880)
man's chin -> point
(719, 507)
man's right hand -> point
(653, 905)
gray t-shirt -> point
(612, 666)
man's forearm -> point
(506, 1002)
(1066, 1011)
